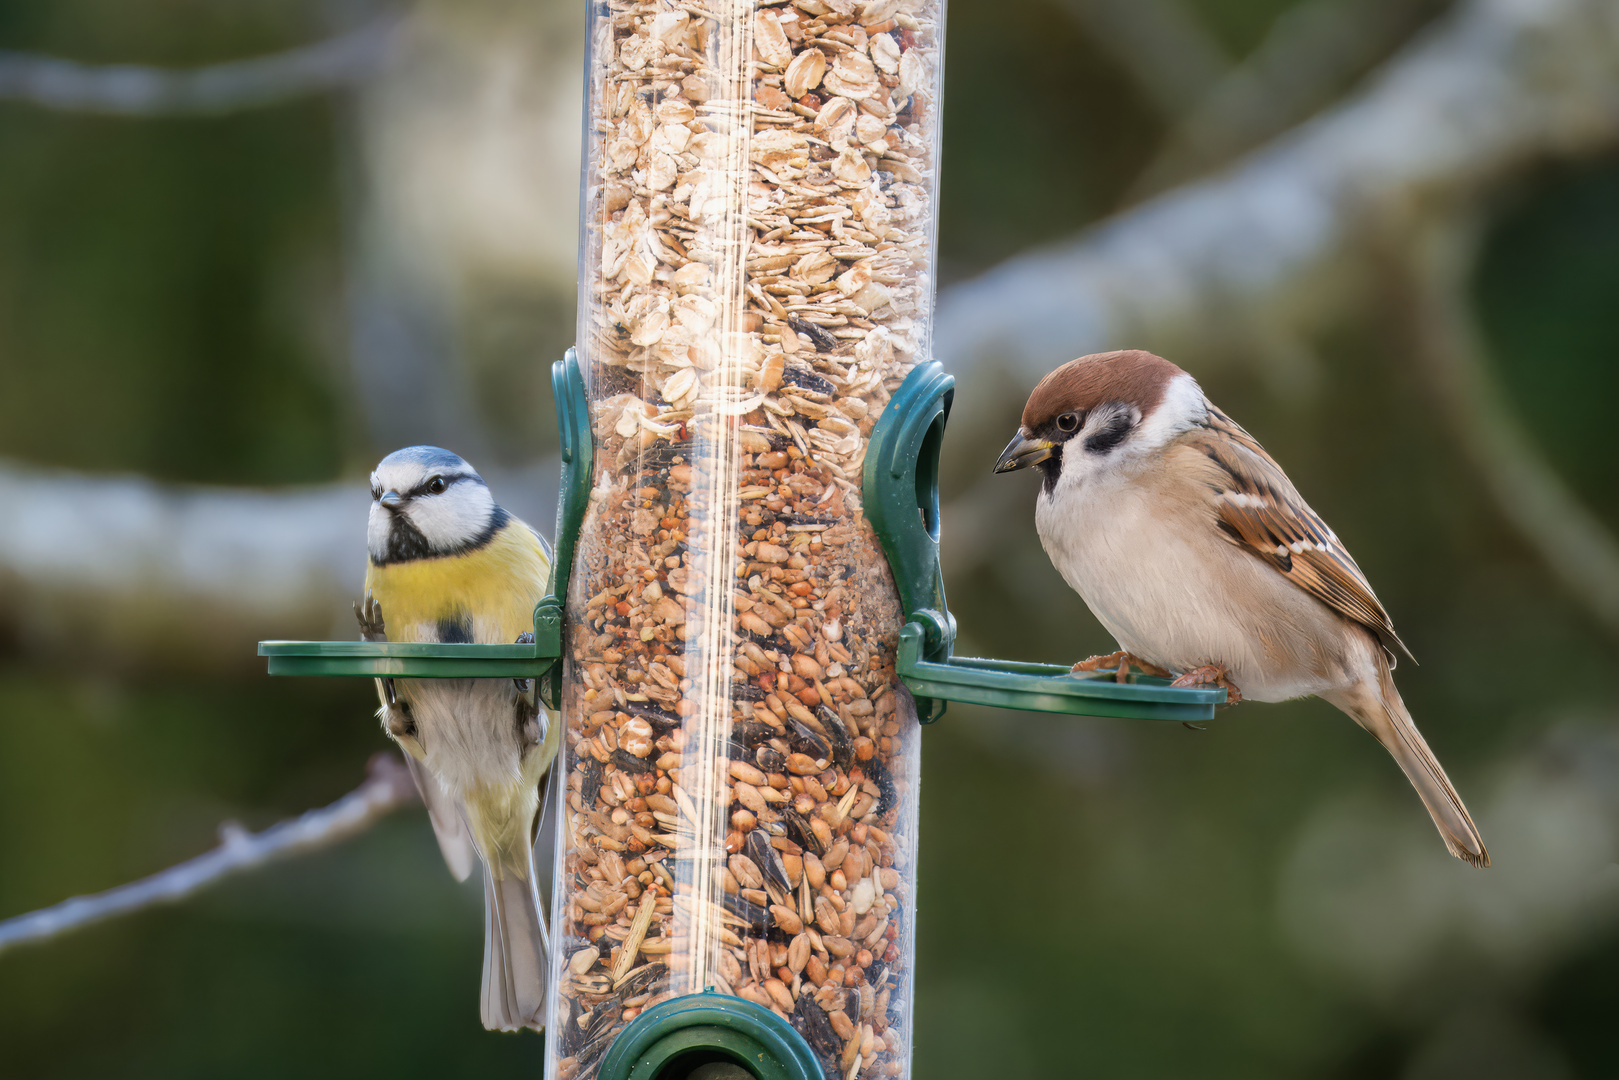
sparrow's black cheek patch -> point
(1111, 435)
(1051, 469)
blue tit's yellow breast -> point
(486, 596)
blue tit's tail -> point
(515, 951)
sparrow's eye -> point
(436, 485)
(1068, 421)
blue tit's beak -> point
(1022, 452)
(391, 500)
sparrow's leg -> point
(1211, 675)
(1121, 660)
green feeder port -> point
(709, 1036)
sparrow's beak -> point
(391, 500)
(1022, 452)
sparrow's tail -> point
(1380, 711)
(515, 951)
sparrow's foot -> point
(369, 614)
(1211, 675)
(1120, 660)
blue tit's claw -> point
(372, 629)
(369, 614)
(399, 721)
(528, 712)
(525, 686)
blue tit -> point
(447, 564)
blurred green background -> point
(276, 296)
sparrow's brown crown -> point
(1129, 375)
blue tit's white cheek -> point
(377, 529)
(456, 516)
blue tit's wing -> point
(545, 827)
(454, 839)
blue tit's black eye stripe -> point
(1111, 434)
(426, 487)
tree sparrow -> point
(1194, 550)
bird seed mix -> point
(741, 764)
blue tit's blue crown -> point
(429, 457)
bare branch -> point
(126, 570)
(1574, 544)
(132, 90)
(1309, 55)
(387, 788)
(1488, 87)
(115, 566)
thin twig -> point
(134, 90)
(387, 788)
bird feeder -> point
(746, 623)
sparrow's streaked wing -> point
(1260, 510)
